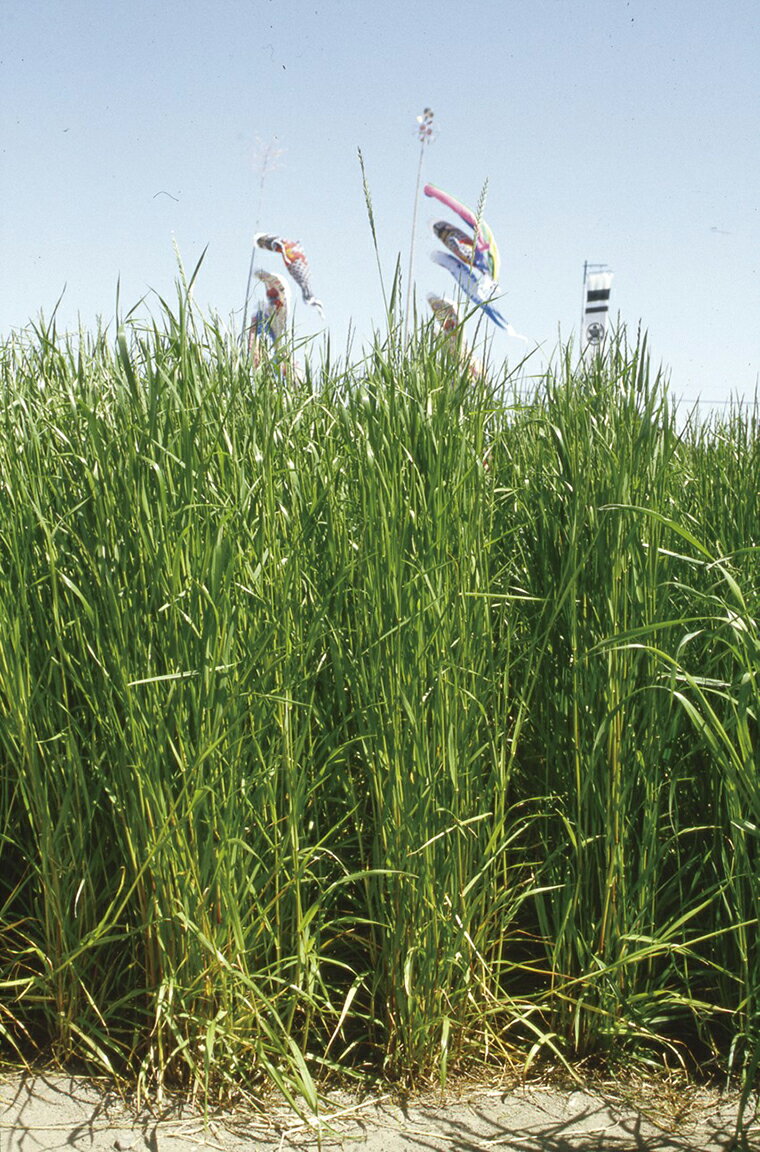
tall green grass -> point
(385, 721)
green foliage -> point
(377, 721)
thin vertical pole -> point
(268, 160)
(425, 122)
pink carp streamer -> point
(295, 261)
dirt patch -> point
(54, 1113)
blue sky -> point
(614, 131)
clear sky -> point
(624, 132)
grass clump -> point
(381, 722)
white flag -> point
(596, 307)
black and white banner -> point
(596, 307)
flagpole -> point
(268, 162)
(424, 132)
(248, 291)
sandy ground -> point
(54, 1113)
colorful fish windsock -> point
(473, 260)
(445, 312)
(272, 319)
(295, 262)
(478, 288)
(484, 240)
(461, 245)
(446, 315)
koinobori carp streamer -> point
(295, 261)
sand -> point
(56, 1113)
